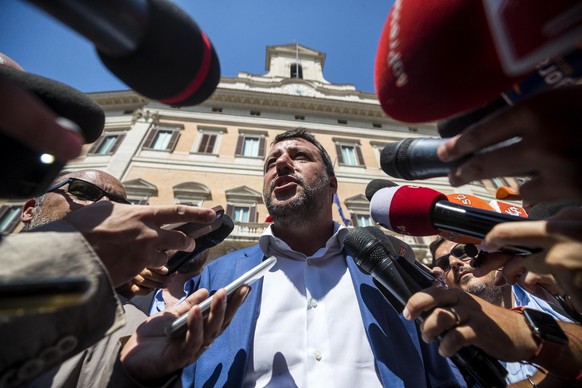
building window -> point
(255, 113)
(499, 182)
(349, 154)
(250, 145)
(412, 129)
(216, 109)
(342, 121)
(207, 143)
(9, 218)
(242, 212)
(162, 138)
(299, 117)
(107, 144)
(364, 220)
(296, 71)
(376, 125)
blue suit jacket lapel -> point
(394, 340)
(236, 340)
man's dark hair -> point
(434, 246)
(304, 133)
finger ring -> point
(456, 314)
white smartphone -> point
(179, 326)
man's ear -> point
(333, 185)
(28, 211)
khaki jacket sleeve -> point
(34, 341)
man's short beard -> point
(38, 217)
(299, 210)
(487, 291)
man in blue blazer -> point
(314, 319)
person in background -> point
(112, 361)
(84, 245)
(454, 260)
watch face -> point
(545, 326)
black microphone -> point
(151, 45)
(417, 158)
(203, 243)
(374, 257)
(33, 171)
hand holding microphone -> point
(151, 45)
(550, 148)
(398, 280)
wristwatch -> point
(549, 336)
(544, 326)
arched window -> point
(296, 71)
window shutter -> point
(239, 145)
(96, 145)
(4, 211)
(173, 141)
(211, 142)
(359, 154)
(230, 210)
(117, 143)
(338, 150)
(150, 138)
(203, 143)
(354, 218)
(253, 214)
(261, 146)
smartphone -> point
(198, 229)
(179, 326)
(20, 296)
(203, 243)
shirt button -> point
(317, 355)
(313, 303)
(309, 262)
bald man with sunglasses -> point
(126, 355)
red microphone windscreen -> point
(406, 209)
(436, 59)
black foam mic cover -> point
(377, 184)
(62, 99)
(174, 63)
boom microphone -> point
(375, 257)
(151, 45)
(420, 211)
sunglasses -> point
(464, 252)
(87, 191)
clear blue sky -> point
(346, 30)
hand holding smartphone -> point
(197, 229)
(179, 326)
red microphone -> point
(420, 211)
(439, 58)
